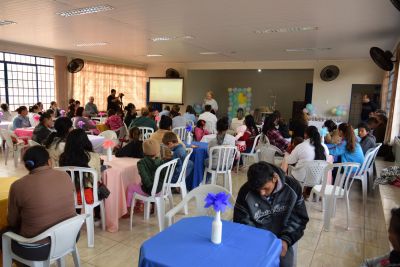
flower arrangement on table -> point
(109, 145)
(219, 202)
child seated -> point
(200, 130)
(367, 141)
(333, 136)
(178, 152)
(147, 167)
(392, 258)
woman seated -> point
(200, 130)
(282, 126)
(177, 119)
(134, 148)
(333, 136)
(55, 143)
(222, 138)
(349, 149)
(114, 121)
(190, 114)
(274, 136)
(7, 116)
(38, 201)
(43, 129)
(250, 133)
(82, 121)
(71, 111)
(130, 114)
(79, 152)
(238, 121)
(310, 149)
(22, 120)
(299, 123)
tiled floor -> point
(366, 238)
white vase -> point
(109, 154)
(216, 233)
(189, 138)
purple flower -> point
(62, 113)
(81, 124)
(219, 201)
(189, 128)
(1, 114)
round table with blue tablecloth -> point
(187, 243)
(198, 156)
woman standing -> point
(209, 100)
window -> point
(26, 80)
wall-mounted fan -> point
(329, 73)
(171, 73)
(76, 65)
(382, 58)
(396, 3)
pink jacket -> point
(199, 133)
(114, 122)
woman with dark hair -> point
(54, 107)
(274, 136)
(282, 126)
(222, 138)
(200, 130)
(349, 149)
(177, 119)
(190, 114)
(78, 152)
(310, 149)
(7, 116)
(299, 124)
(40, 107)
(114, 121)
(238, 121)
(38, 201)
(42, 130)
(134, 148)
(22, 120)
(250, 134)
(130, 114)
(55, 143)
(333, 136)
(86, 124)
(71, 111)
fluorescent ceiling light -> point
(154, 55)
(308, 49)
(92, 44)
(170, 38)
(85, 10)
(290, 29)
(6, 22)
(208, 53)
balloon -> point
(344, 113)
(338, 112)
(333, 111)
(310, 108)
(229, 90)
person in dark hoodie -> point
(273, 201)
(134, 148)
(367, 141)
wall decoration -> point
(239, 98)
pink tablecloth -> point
(123, 172)
(24, 132)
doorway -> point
(357, 93)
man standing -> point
(91, 107)
(113, 101)
(368, 107)
(273, 201)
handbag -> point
(102, 191)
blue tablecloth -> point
(187, 243)
(198, 156)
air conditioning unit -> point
(396, 149)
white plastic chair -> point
(145, 132)
(157, 198)
(87, 208)
(363, 173)
(340, 189)
(268, 153)
(313, 170)
(372, 170)
(63, 241)
(253, 153)
(225, 155)
(181, 182)
(180, 132)
(33, 143)
(199, 194)
(10, 146)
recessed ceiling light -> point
(92, 44)
(154, 55)
(259, 70)
(6, 22)
(85, 10)
(308, 49)
(208, 53)
(290, 29)
(170, 38)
